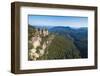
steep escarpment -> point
(53, 43)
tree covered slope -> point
(78, 35)
(62, 48)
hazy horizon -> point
(56, 26)
(52, 21)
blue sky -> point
(48, 20)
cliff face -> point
(39, 41)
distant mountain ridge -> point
(42, 26)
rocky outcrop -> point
(40, 41)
